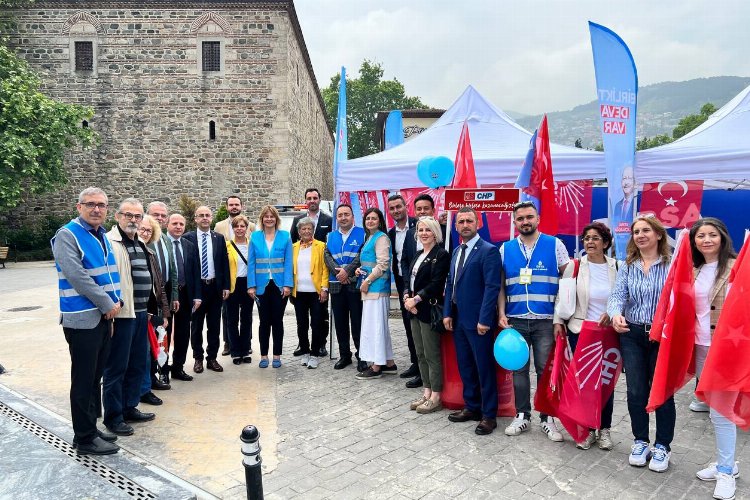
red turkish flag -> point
(574, 201)
(543, 182)
(674, 328)
(725, 381)
(591, 379)
(676, 204)
(464, 176)
(549, 387)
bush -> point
(32, 241)
(220, 215)
(187, 207)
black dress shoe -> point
(464, 416)
(181, 375)
(486, 426)
(151, 399)
(97, 447)
(158, 385)
(301, 352)
(237, 361)
(322, 352)
(412, 372)
(342, 363)
(198, 366)
(247, 359)
(136, 415)
(362, 366)
(107, 436)
(121, 429)
(214, 365)
(414, 383)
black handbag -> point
(436, 317)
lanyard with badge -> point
(525, 276)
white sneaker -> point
(639, 454)
(699, 406)
(313, 363)
(605, 440)
(550, 429)
(710, 472)
(659, 459)
(517, 426)
(586, 443)
(725, 487)
(305, 359)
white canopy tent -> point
(499, 146)
(718, 150)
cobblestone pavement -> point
(345, 438)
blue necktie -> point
(204, 257)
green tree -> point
(691, 122)
(35, 132)
(366, 95)
(652, 142)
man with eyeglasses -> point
(532, 265)
(89, 287)
(214, 271)
(128, 360)
(164, 256)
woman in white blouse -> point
(594, 283)
(713, 258)
(239, 303)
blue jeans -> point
(124, 370)
(726, 438)
(639, 359)
(539, 334)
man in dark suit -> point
(323, 221)
(404, 249)
(213, 263)
(323, 226)
(189, 292)
(470, 310)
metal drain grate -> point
(129, 487)
(24, 308)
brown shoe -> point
(417, 403)
(429, 406)
(198, 366)
(486, 426)
(226, 350)
(214, 365)
(464, 416)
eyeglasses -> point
(91, 205)
(145, 230)
(130, 216)
(592, 238)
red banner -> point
(438, 196)
(676, 204)
(574, 200)
(590, 380)
(549, 387)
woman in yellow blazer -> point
(310, 291)
(239, 303)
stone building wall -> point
(153, 103)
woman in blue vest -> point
(632, 306)
(270, 278)
(375, 287)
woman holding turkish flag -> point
(632, 306)
(713, 258)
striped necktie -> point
(204, 257)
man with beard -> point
(128, 362)
(164, 256)
(470, 310)
(224, 228)
(404, 249)
(532, 265)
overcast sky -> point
(528, 56)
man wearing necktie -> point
(214, 277)
(188, 291)
(164, 256)
(470, 310)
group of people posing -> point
(112, 283)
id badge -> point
(525, 277)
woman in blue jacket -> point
(270, 278)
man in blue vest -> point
(89, 286)
(470, 310)
(532, 265)
(342, 259)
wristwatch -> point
(367, 280)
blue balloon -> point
(423, 171)
(511, 350)
(442, 170)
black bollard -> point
(251, 460)
(2, 369)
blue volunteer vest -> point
(539, 296)
(369, 260)
(101, 267)
(344, 252)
